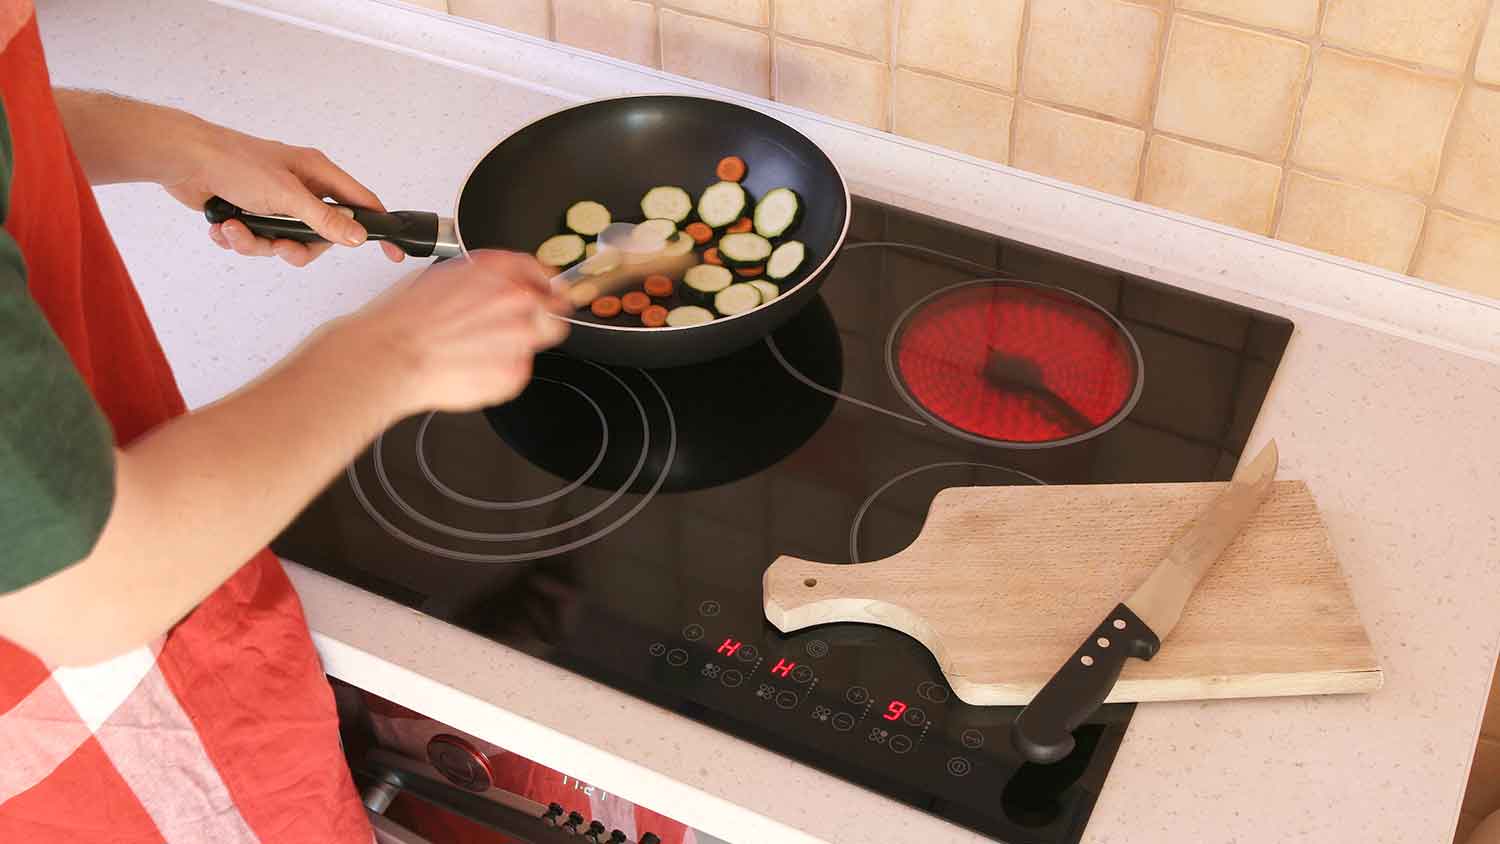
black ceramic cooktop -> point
(617, 522)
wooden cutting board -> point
(1005, 582)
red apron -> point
(224, 729)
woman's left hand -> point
(267, 177)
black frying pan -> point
(613, 151)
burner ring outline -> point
(859, 515)
(526, 556)
(491, 504)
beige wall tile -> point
(1487, 68)
(625, 29)
(952, 114)
(753, 12)
(1093, 54)
(1365, 224)
(1435, 32)
(438, 5)
(1231, 86)
(1214, 185)
(528, 16)
(1374, 122)
(1083, 150)
(833, 83)
(970, 39)
(1471, 177)
(716, 52)
(1296, 16)
(861, 25)
(1460, 252)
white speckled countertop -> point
(1386, 404)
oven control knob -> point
(616, 837)
(650, 838)
(596, 829)
(552, 814)
(574, 821)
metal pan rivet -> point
(810, 582)
(1086, 659)
(1119, 624)
(1102, 642)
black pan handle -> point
(1043, 732)
(419, 234)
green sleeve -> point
(57, 470)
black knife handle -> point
(1043, 732)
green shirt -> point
(56, 447)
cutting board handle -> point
(800, 594)
(1044, 731)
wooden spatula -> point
(1002, 580)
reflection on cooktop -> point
(616, 522)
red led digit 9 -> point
(893, 710)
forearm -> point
(122, 140)
(198, 497)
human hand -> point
(267, 177)
(459, 336)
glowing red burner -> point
(1016, 363)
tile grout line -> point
(775, 52)
(1445, 153)
(892, 43)
(1022, 42)
(552, 20)
(661, 48)
(1315, 49)
(668, 6)
(1169, 25)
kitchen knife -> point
(1043, 732)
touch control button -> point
(677, 657)
(972, 739)
(959, 766)
(857, 695)
(901, 744)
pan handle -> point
(419, 234)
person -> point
(157, 678)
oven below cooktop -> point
(616, 522)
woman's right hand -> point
(459, 336)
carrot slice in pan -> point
(731, 168)
(699, 232)
(635, 302)
(741, 225)
(654, 316)
(750, 272)
(605, 306)
(659, 286)
(711, 256)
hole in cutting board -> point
(810, 582)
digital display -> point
(893, 710)
(783, 668)
(729, 646)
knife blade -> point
(1043, 732)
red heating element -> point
(1019, 363)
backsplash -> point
(1364, 128)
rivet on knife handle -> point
(1043, 733)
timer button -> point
(857, 695)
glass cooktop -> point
(617, 522)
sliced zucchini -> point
(667, 202)
(657, 229)
(722, 204)
(689, 315)
(587, 218)
(736, 299)
(680, 244)
(777, 212)
(786, 259)
(708, 278)
(768, 291)
(745, 249)
(560, 250)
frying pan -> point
(613, 151)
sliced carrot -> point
(743, 224)
(635, 302)
(654, 316)
(659, 286)
(606, 306)
(699, 232)
(711, 256)
(731, 168)
(750, 272)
